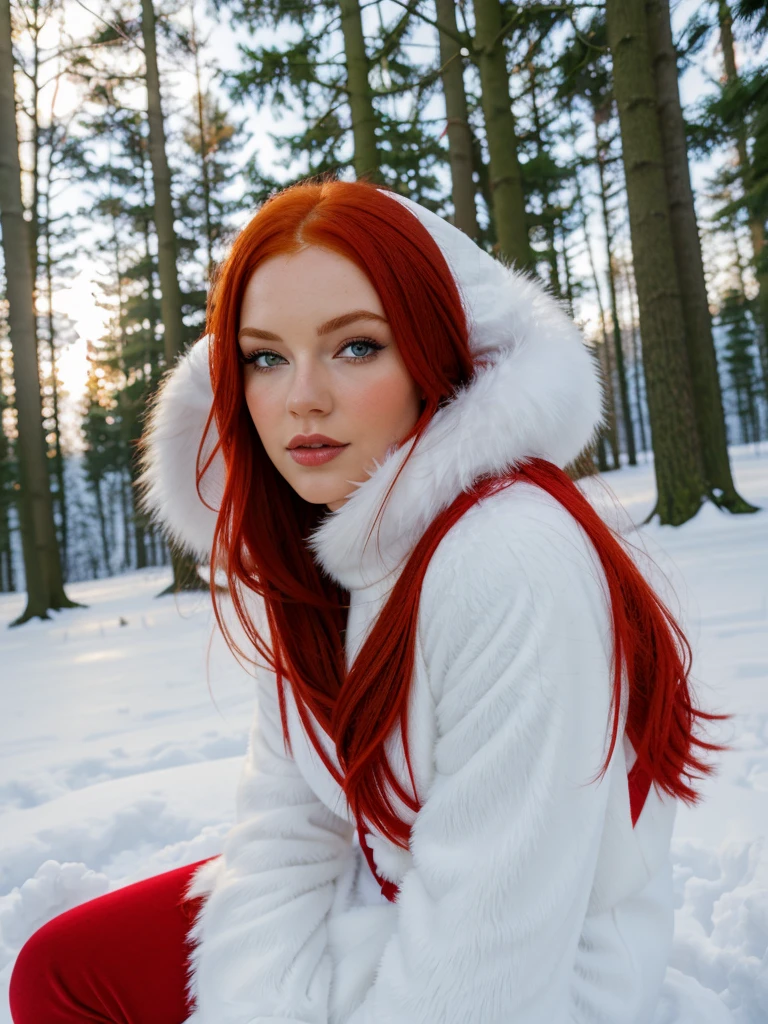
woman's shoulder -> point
(519, 535)
(517, 573)
(515, 601)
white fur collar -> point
(538, 395)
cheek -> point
(385, 407)
(264, 408)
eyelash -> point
(251, 358)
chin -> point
(322, 492)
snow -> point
(124, 725)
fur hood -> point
(537, 394)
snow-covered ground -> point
(124, 723)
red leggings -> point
(117, 959)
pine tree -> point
(131, 358)
(9, 472)
(185, 575)
(313, 74)
(739, 354)
(744, 103)
(42, 559)
(204, 209)
(507, 194)
(458, 129)
(680, 479)
(104, 453)
(586, 75)
(700, 344)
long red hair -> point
(263, 525)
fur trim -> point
(174, 427)
(538, 394)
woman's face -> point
(320, 359)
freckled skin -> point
(320, 384)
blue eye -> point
(253, 357)
(268, 356)
(365, 343)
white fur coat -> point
(526, 896)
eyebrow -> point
(335, 324)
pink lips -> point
(316, 456)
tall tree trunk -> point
(359, 92)
(679, 468)
(34, 108)
(205, 178)
(483, 172)
(123, 485)
(506, 180)
(756, 225)
(160, 550)
(139, 534)
(548, 224)
(700, 345)
(457, 119)
(601, 348)
(637, 361)
(566, 267)
(7, 581)
(185, 576)
(636, 372)
(170, 301)
(102, 525)
(618, 347)
(606, 367)
(42, 560)
(61, 496)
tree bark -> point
(42, 560)
(618, 346)
(170, 302)
(700, 345)
(61, 496)
(636, 348)
(366, 158)
(457, 119)
(205, 178)
(185, 575)
(7, 580)
(102, 525)
(608, 432)
(678, 462)
(566, 267)
(547, 222)
(124, 482)
(605, 360)
(506, 180)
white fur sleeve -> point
(514, 630)
(261, 953)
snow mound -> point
(53, 889)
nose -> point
(309, 393)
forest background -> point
(137, 138)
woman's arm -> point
(515, 638)
(261, 953)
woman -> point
(474, 720)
